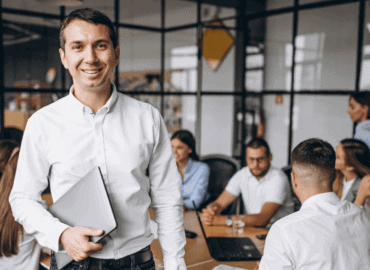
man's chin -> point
(258, 174)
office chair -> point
(222, 168)
(287, 170)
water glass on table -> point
(238, 223)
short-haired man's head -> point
(257, 143)
(315, 159)
(91, 16)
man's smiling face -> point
(89, 55)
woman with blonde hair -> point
(18, 250)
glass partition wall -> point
(228, 71)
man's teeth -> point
(91, 71)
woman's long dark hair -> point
(186, 137)
(6, 149)
(10, 230)
(357, 155)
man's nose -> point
(90, 55)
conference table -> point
(197, 255)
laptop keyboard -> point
(233, 248)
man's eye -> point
(102, 46)
(77, 47)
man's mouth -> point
(91, 71)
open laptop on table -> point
(230, 248)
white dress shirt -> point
(28, 256)
(65, 140)
(273, 187)
(324, 234)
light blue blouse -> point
(362, 132)
(194, 185)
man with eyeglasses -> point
(265, 191)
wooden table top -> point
(197, 255)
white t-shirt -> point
(346, 187)
(273, 187)
(28, 256)
(324, 234)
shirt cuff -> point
(59, 229)
(175, 264)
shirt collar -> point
(316, 199)
(78, 107)
(249, 174)
(189, 165)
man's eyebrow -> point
(101, 40)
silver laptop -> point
(86, 204)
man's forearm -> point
(257, 220)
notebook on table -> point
(230, 248)
(86, 204)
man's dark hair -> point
(363, 98)
(316, 155)
(257, 143)
(91, 16)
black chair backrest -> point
(222, 168)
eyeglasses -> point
(259, 159)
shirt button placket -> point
(99, 137)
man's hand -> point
(363, 191)
(75, 241)
(208, 213)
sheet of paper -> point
(227, 267)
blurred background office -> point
(282, 69)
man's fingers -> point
(92, 232)
(93, 247)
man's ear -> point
(117, 52)
(350, 168)
(62, 58)
(294, 179)
(270, 157)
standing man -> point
(325, 233)
(265, 190)
(97, 126)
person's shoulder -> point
(201, 165)
(58, 107)
(278, 174)
(288, 220)
(134, 104)
(243, 172)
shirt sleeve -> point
(280, 189)
(200, 189)
(233, 186)
(30, 181)
(166, 200)
(276, 252)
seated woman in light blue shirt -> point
(359, 110)
(193, 173)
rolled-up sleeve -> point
(30, 181)
(166, 199)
